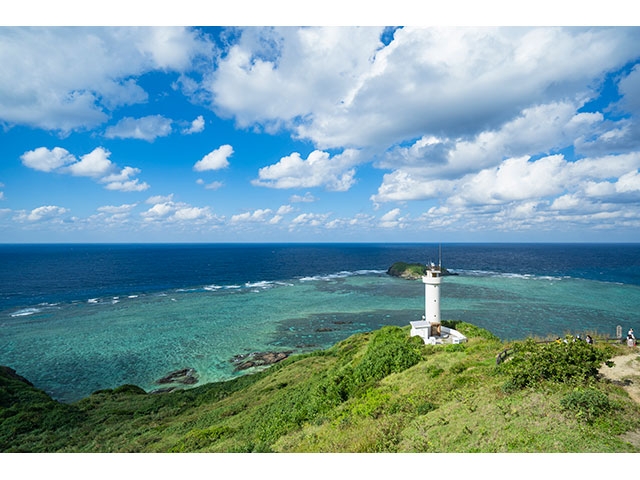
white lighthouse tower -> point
(430, 328)
(431, 282)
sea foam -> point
(25, 312)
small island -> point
(412, 271)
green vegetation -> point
(411, 271)
(407, 270)
(380, 391)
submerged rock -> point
(258, 359)
(186, 376)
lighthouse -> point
(430, 328)
(431, 280)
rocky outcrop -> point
(258, 359)
(11, 373)
(185, 376)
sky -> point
(319, 133)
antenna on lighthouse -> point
(440, 256)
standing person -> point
(631, 339)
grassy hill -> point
(380, 391)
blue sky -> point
(288, 134)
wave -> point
(215, 288)
(261, 285)
(266, 284)
(519, 276)
(342, 274)
(25, 312)
(251, 286)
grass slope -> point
(380, 391)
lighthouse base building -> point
(430, 328)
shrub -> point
(586, 404)
(129, 390)
(198, 439)
(389, 351)
(560, 361)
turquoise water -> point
(139, 338)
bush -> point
(389, 351)
(199, 439)
(560, 361)
(586, 404)
(129, 390)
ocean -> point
(79, 318)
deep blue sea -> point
(79, 318)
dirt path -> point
(627, 370)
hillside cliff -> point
(379, 391)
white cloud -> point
(128, 186)
(215, 160)
(66, 79)
(160, 210)
(306, 198)
(191, 213)
(629, 88)
(196, 126)
(112, 209)
(178, 212)
(47, 212)
(284, 209)
(275, 75)
(342, 87)
(159, 199)
(46, 160)
(146, 128)
(392, 219)
(319, 169)
(359, 221)
(309, 219)
(122, 181)
(210, 186)
(259, 215)
(514, 179)
(95, 164)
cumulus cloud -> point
(306, 198)
(66, 79)
(392, 219)
(196, 126)
(259, 215)
(46, 160)
(177, 212)
(285, 209)
(436, 80)
(146, 128)
(44, 213)
(95, 165)
(159, 199)
(215, 160)
(319, 169)
(210, 186)
(273, 76)
(113, 209)
(309, 219)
